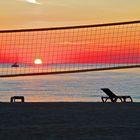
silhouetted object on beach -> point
(15, 65)
(14, 98)
(114, 97)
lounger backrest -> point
(108, 92)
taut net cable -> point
(69, 49)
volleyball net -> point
(69, 49)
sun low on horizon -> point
(68, 46)
(38, 61)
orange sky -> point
(47, 13)
(19, 14)
(116, 44)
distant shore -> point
(69, 121)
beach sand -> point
(69, 121)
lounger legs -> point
(14, 98)
(104, 99)
(122, 99)
(131, 99)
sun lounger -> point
(14, 98)
(113, 98)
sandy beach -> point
(69, 121)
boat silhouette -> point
(15, 65)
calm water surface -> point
(72, 87)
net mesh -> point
(70, 49)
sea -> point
(73, 87)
